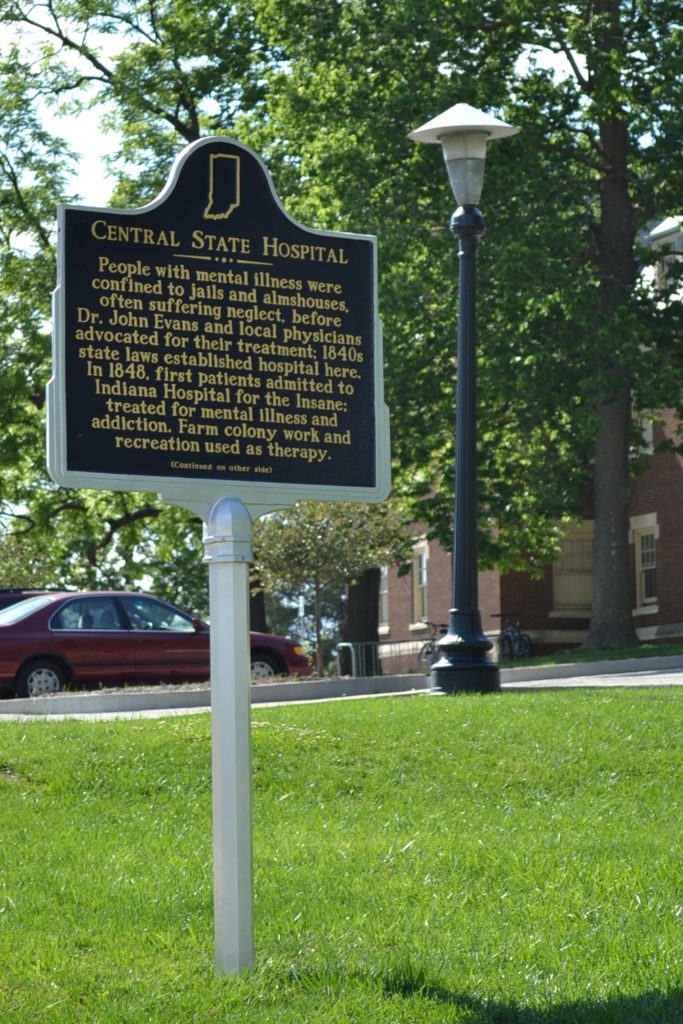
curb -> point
(175, 699)
(200, 697)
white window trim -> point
(419, 549)
(639, 525)
(383, 624)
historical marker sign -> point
(210, 348)
(208, 340)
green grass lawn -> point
(513, 858)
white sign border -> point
(200, 493)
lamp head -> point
(463, 133)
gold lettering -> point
(139, 234)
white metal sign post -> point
(227, 541)
(210, 348)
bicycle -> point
(429, 652)
(512, 642)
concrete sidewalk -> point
(630, 672)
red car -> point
(93, 638)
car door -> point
(169, 643)
(91, 634)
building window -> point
(420, 573)
(384, 597)
(573, 572)
(644, 535)
(646, 562)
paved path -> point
(648, 677)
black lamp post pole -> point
(463, 133)
(463, 664)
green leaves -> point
(319, 548)
(327, 94)
(330, 542)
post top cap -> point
(459, 119)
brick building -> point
(555, 610)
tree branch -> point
(10, 173)
(146, 512)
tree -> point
(158, 93)
(624, 117)
(340, 110)
(33, 173)
(23, 566)
(326, 546)
(151, 67)
(572, 343)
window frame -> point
(644, 533)
(582, 533)
(383, 610)
(420, 584)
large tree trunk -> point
(362, 609)
(361, 625)
(611, 621)
(257, 605)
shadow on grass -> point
(649, 1008)
(409, 981)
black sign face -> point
(209, 336)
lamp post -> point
(463, 663)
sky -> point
(83, 133)
(90, 180)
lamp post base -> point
(463, 665)
(464, 677)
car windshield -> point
(15, 612)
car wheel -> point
(39, 678)
(264, 667)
